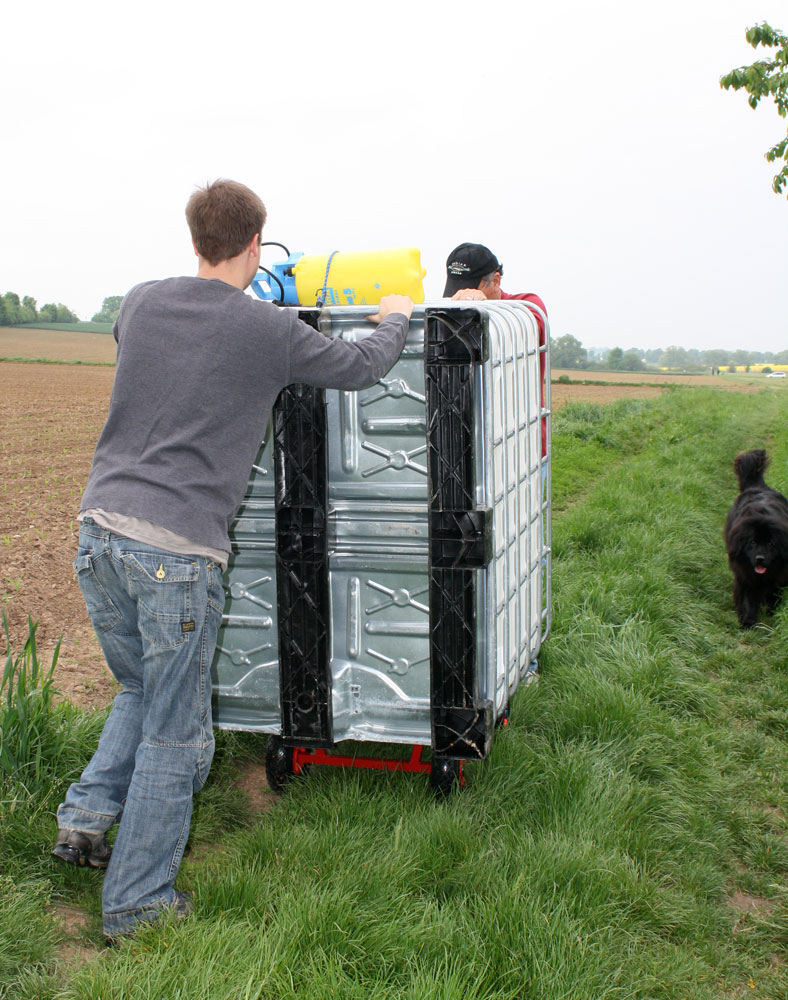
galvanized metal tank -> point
(390, 576)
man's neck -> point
(233, 272)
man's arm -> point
(338, 364)
(392, 304)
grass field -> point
(81, 326)
(627, 837)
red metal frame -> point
(303, 756)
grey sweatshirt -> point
(199, 367)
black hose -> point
(273, 243)
(279, 301)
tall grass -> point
(28, 745)
(44, 743)
(625, 840)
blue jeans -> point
(156, 615)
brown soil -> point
(737, 383)
(57, 345)
(562, 394)
(74, 949)
(591, 387)
(744, 902)
(51, 416)
(254, 784)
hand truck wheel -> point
(445, 775)
(278, 763)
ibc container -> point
(390, 579)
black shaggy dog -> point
(756, 537)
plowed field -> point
(51, 417)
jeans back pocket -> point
(162, 583)
(103, 613)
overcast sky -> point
(589, 145)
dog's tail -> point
(750, 467)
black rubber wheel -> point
(445, 776)
(278, 763)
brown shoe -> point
(88, 850)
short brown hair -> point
(222, 218)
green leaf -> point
(765, 77)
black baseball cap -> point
(466, 265)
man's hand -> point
(469, 293)
(392, 304)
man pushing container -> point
(473, 272)
(199, 366)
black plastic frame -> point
(455, 341)
(302, 574)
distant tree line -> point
(109, 310)
(568, 352)
(16, 312)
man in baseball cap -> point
(473, 266)
(474, 272)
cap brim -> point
(455, 284)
